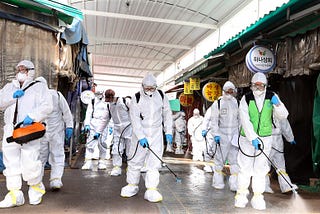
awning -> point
(63, 12)
(295, 17)
(204, 69)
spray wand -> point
(178, 180)
(274, 166)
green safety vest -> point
(261, 121)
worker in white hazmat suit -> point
(197, 140)
(210, 145)
(255, 110)
(280, 128)
(180, 131)
(59, 126)
(33, 105)
(150, 115)
(96, 120)
(122, 131)
(224, 126)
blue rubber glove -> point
(256, 143)
(275, 100)
(110, 130)
(169, 138)
(69, 132)
(217, 139)
(293, 142)
(96, 136)
(27, 120)
(87, 128)
(144, 142)
(204, 133)
(18, 93)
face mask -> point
(21, 77)
(258, 92)
(149, 93)
(228, 96)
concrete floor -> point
(98, 192)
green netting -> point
(63, 12)
(316, 131)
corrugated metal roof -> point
(64, 12)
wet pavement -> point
(98, 192)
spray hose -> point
(122, 138)
(250, 156)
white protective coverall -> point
(280, 128)
(224, 123)
(180, 131)
(255, 167)
(195, 129)
(23, 160)
(97, 117)
(52, 144)
(210, 145)
(122, 128)
(149, 118)
(107, 138)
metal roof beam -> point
(132, 57)
(124, 41)
(123, 67)
(119, 84)
(117, 75)
(117, 81)
(148, 19)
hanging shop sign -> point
(211, 91)
(194, 83)
(260, 59)
(186, 99)
(186, 88)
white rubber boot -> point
(241, 199)
(55, 184)
(258, 202)
(116, 171)
(13, 198)
(35, 193)
(87, 165)
(102, 164)
(152, 195)
(129, 191)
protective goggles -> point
(229, 91)
(149, 88)
(258, 86)
(22, 69)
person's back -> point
(122, 131)
(195, 131)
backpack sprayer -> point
(274, 166)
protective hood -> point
(196, 112)
(30, 66)
(149, 80)
(228, 85)
(259, 77)
(41, 79)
